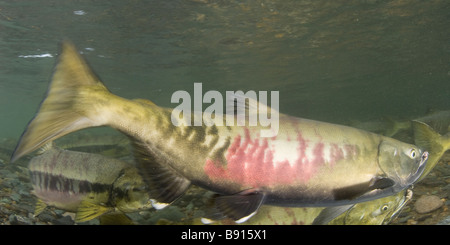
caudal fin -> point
(64, 108)
(428, 139)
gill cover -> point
(402, 163)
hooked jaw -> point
(405, 200)
(402, 163)
(421, 168)
(414, 177)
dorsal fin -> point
(239, 104)
(244, 110)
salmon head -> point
(402, 163)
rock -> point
(428, 203)
(19, 220)
(26, 207)
(65, 220)
(45, 217)
(411, 222)
(423, 218)
(433, 182)
(404, 219)
(15, 197)
(445, 221)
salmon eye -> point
(385, 207)
(413, 154)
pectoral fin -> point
(357, 190)
(40, 206)
(165, 184)
(88, 211)
(240, 206)
(329, 214)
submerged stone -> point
(428, 203)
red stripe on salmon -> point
(250, 162)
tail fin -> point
(428, 139)
(60, 112)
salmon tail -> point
(64, 110)
(431, 141)
(427, 138)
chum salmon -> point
(380, 211)
(308, 163)
(91, 185)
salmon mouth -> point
(406, 199)
(423, 160)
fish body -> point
(87, 184)
(376, 212)
(308, 163)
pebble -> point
(404, 218)
(45, 217)
(15, 197)
(428, 203)
(19, 220)
(65, 220)
(445, 221)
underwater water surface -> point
(346, 62)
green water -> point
(331, 60)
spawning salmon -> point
(308, 163)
